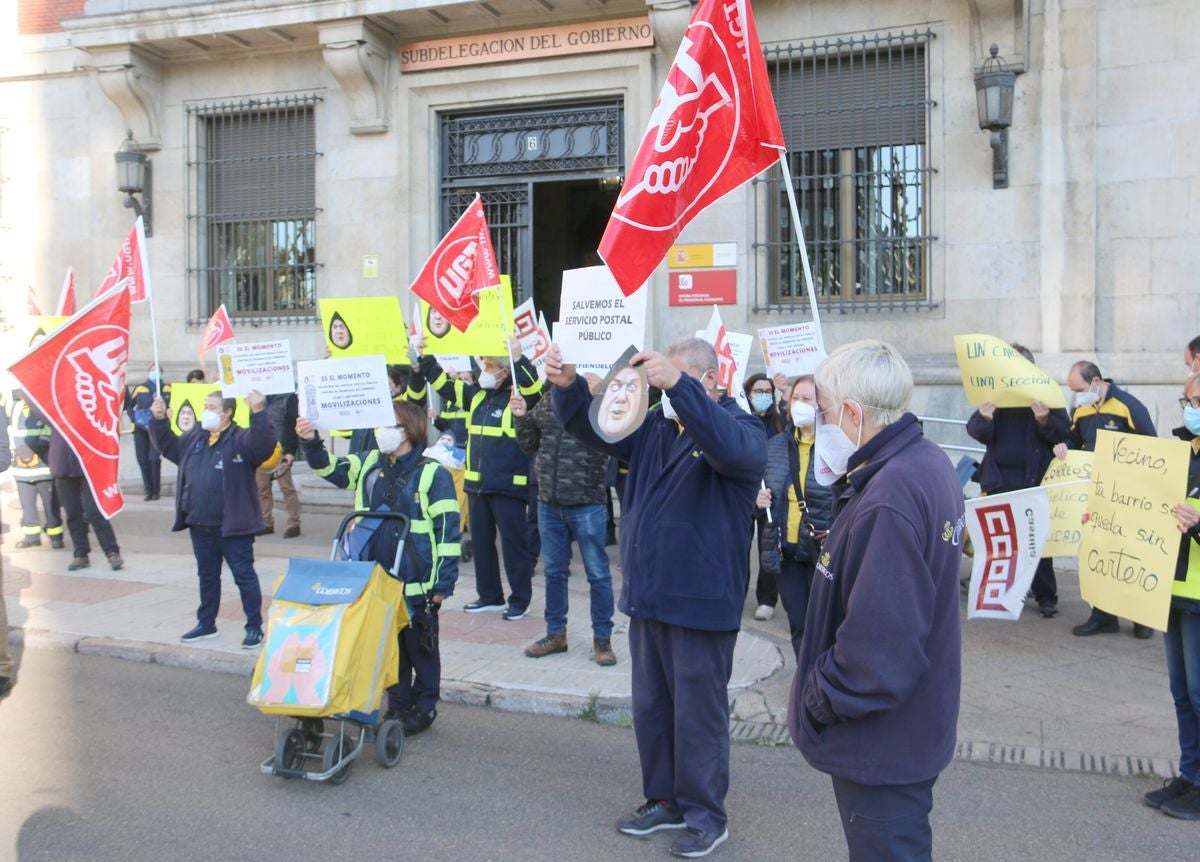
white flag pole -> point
(141, 236)
(798, 229)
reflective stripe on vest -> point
(504, 429)
(422, 526)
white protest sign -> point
(346, 393)
(792, 350)
(733, 354)
(530, 328)
(1008, 532)
(262, 365)
(597, 322)
(457, 364)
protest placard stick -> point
(770, 520)
(798, 226)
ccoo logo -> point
(90, 372)
(692, 128)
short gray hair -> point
(696, 353)
(870, 373)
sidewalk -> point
(1032, 693)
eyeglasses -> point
(1194, 401)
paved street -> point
(105, 759)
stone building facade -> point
(306, 150)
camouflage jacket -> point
(568, 472)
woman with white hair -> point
(875, 698)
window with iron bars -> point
(855, 117)
(252, 242)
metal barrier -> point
(974, 450)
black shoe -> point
(114, 560)
(253, 638)
(29, 542)
(696, 843)
(397, 714)
(148, 497)
(1048, 608)
(1142, 632)
(79, 563)
(417, 721)
(6, 687)
(654, 815)
(1095, 627)
(1186, 806)
(480, 607)
(56, 542)
(512, 612)
(154, 496)
(1171, 789)
(199, 633)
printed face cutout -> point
(619, 407)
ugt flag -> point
(131, 269)
(714, 127)
(76, 378)
(217, 331)
(463, 264)
(1008, 532)
(66, 295)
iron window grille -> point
(855, 117)
(251, 209)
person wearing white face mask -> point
(395, 476)
(801, 507)
(1100, 405)
(496, 476)
(694, 470)
(874, 702)
(216, 500)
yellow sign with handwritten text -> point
(487, 334)
(1067, 484)
(993, 371)
(1130, 543)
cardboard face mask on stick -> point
(619, 408)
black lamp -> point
(134, 176)
(994, 87)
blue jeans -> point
(588, 525)
(1183, 672)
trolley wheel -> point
(312, 728)
(389, 743)
(338, 747)
(466, 549)
(289, 749)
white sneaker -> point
(764, 612)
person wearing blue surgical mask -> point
(760, 393)
(1179, 797)
(801, 507)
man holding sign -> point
(1100, 405)
(1020, 444)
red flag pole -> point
(799, 230)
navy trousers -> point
(886, 823)
(499, 513)
(29, 493)
(211, 548)
(81, 512)
(795, 582)
(681, 716)
(420, 670)
(149, 460)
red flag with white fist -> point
(131, 269)
(714, 127)
(75, 377)
(463, 264)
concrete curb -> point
(616, 711)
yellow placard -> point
(992, 371)
(365, 326)
(187, 403)
(39, 326)
(1130, 543)
(1068, 483)
(486, 336)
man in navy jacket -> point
(694, 469)
(216, 500)
(875, 699)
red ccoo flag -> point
(131, 269)
(31, 303)
(66, 296)
(76, 378)
(714, 127)
(463, 264)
